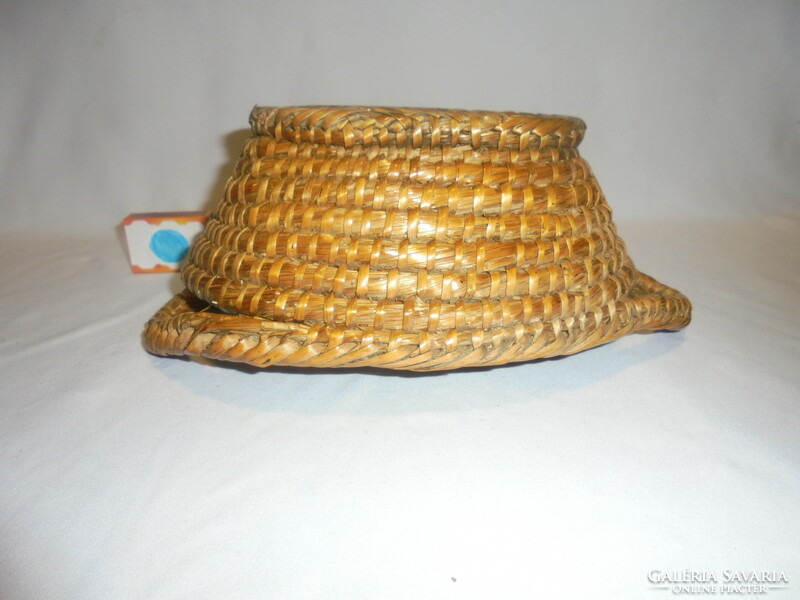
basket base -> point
(189, 326)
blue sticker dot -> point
(169, 245)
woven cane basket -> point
(409, 239)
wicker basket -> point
(409, 239)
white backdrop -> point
(125, 106)
(124, 475)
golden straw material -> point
(409, 239)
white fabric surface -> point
(126, 475)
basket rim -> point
(351, 125)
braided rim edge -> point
(188, 326)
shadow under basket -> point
(412, 239)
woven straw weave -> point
(409, 239)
